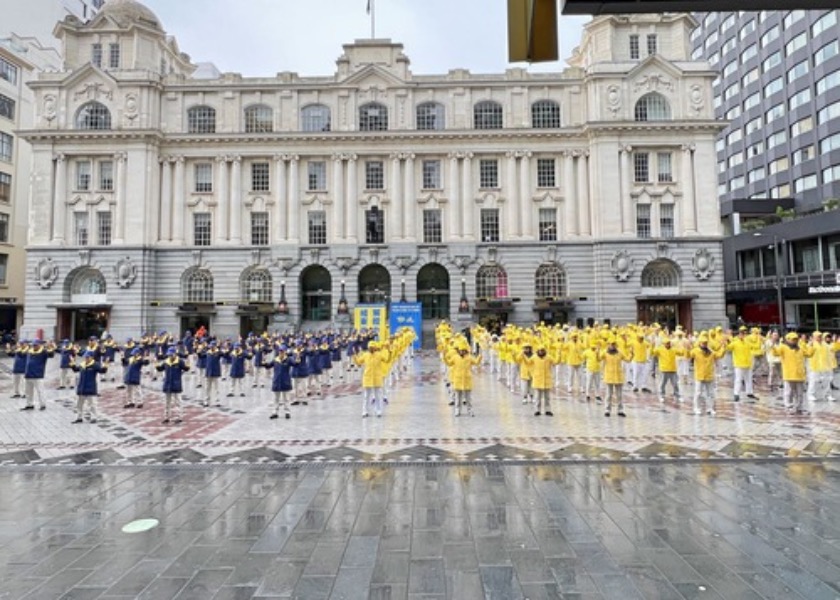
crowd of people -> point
(603, 362)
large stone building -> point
(164, 197)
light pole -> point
(402, 290)
(464, 304)
(342, 302)
(283, 307)
(780, 302)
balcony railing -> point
(796, 280)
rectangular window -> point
(7, 107)
(798, 70)
(643, 221)
(800, 98)
(374, 226)
(4, 228)
(780, 164)
(546, 168)
(548, 224)
(752, 100)
(749, 52)
(832, 111)
(664, 171)
(488, 173)
(80, 228)
(96, 55)
(634, 46)
(773, 87)
(8, 71)
(83, 175)
(800, 41)
(826, 52)
(260, 177)
(489, 224)
(6, 146)
(5, 187)
(666, 221)
(825, 23)
(651, 44)
(259, 229)
(641, 167)
(316, 176)
(775, 112)
(374, 175)
(730, 67)
(802, 126)
(804, 153)
(114, 56)
(753, 125)
(432, 226)
(204, 177)
(755, 149)
(4, 267)
(771, 61)
(735, 160)
(431, 175)
(103, 227)
(755, 175)
(808, 182)
(317, 227)
(830, 81)
(769, 35)
(106, 176)
(202, 224)
(792, 17)
(778, 138)
(746, 29)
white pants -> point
(372, 395)
(35, 389)
(80, 406)
(65, 377)
(705, 389)
(794, 394)
(614, 391)
(133, 395)
(640, 375)
(819, 385)
(593, 383)
(236, 386)
(543, 400)
(212, 390)
(281, 399)
(173, 405)
(743, 381)
(17, 380)
(575, 377)
(463, 398)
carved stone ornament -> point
(614, 99)
(131, 108)
(46, 273)
(703, 264)
(404, 263)
(92, 91)
(286, 264)
(695, 99)
(653, 82)
(622, 265)
(345, 263)
(126, 272)
(49, 107)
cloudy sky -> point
(263, 37)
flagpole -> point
(373, 19)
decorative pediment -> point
(90, 83)
(654, 74)
(311, 198)
(547, 197)
(650, 192)
(373, 77)
(489, 198)
(373, 199)
(433, 197)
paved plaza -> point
(419, 503)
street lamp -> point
(780, 303)
(402, 290)
(342, 301)
(463, 305)
(283, 306)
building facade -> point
(162, 199)
(778, 160)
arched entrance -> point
(198, 305)
(433, 291)
(85, 311)
(374, 285)
(316, 293)
(493, 304)
(660, 300)
(255, 301)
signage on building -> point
(824, 289)
(372, 316)
(408, 314)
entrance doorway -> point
(82, 323)
(433, 291)
(374, 285)
(668, 313)
(316, 293)
(194, 322)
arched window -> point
(550, 281)
(373, 117)
(652, 107)
(256, 285)
(93, 115)
(374, 284)
(545, 114)
(430, 116)
(487, 115)
(433, 291)
(201, 119)
(315, 117)
(197, 286)
(316, 293)
(660, 273)
(491, 281)
(259, 119)
(88, 282)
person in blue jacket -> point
(18, 352)
(86, 387)
(259, 348)
(238, 357)
(300, 370)
(67, 353)
(172, 368)
(36, 366)
(281, 381)
(132, 373)
(212, 372)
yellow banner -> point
(372, 316)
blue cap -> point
(88, 354)
(136, 351)
(283, 348)
(170, 351)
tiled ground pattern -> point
(502, 532)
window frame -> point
(433, 117)
(259, 118)
(546, 114)
(488, 173)
(374, 176)
(203, 175)
(202, 228)
(316, 226)
(373, 122)
(93, 116)
(260, 176)
(104, 227)
(488, 115)
(315, 118)
(432, 226)
(201, 119)
(490, 227)
(260, 228)
(547, 224)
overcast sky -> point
(263, 37)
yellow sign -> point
(372, 316)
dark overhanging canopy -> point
(606, 7)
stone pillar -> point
(281, 200)
(60, 199)
(627, 222)
(294, 199)
(468, 202)
(689, 204)
(165, 219)
(120, 159)
(236, 201)
(222, 200)
(526, 206)
(572, 196)
(456, 230)
(352, 201)
(395, 217)
(583, 195)
(512, 198)
(409, 199)
(180, 204)
(338, 198)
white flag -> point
(368, 7)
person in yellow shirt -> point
(704, 373)
(614, 375)
(820, 367)
(542, 379)
(573, 356)
(774, 362)
(374, 362)
(793, 355)
(640, 359)
(592, 361)
(666, 361)
(461, 364)
(525, 372)
(744, 352)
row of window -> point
(802, 256)
(113, 55)
(7, 144)
(8, 71)
(651, 45)
(7, 107)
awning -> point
(549, 305)
(669, 298)
(260, 308)
(72, 306)
(196, 309)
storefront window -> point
(806, 257)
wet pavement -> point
(418, 503)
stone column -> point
(165, 220)
(456, 230)
(526, 206)
(409, 199)
(352, 200)
(60, 199)
(572, 195)
(688, 206)
(236, 201)
(512, 198)
(281, 199)
(395, 219)
(222, 199)
(294, 199)
(627, 222)
(583, 195)
(120, 159)
(338, 198)
(180, 204)
(468, 203)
